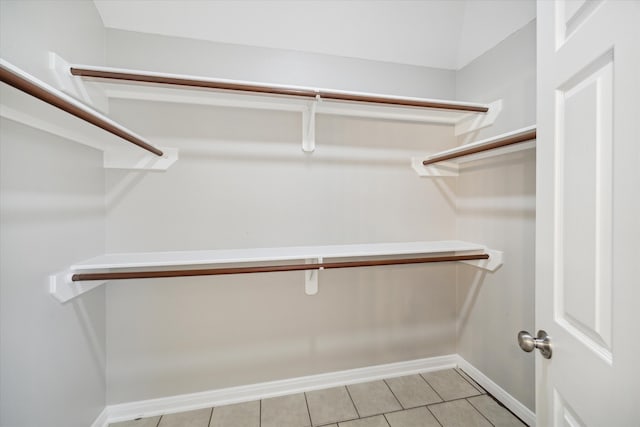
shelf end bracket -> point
(495, 260)
(434, 170)
(480, 121)
(63, 288)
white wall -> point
(243, 181)
(52, 356)
(496, 206)
(142, 51)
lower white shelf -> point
(86, 275)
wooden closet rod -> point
(140, 76)
(268, 268)
(502, 142)
(20, 82)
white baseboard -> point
(498, 392)
(102, 420)
(226, 396)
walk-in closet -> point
(319, 213)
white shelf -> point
(27, 109)
(450, 167)
(123, 85)
(64, 289)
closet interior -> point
(212, 233)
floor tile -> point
(494, 412)
(377, 421)
(143, 422)
(330, 406)
(450, 385)
(197, 418)
(471, 381)
(285, 411)
(373, 398)
(458, 413)
(238, 415)
(416, 417)
(413, 391)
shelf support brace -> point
(435, 170)
(63, 288)
(478, 122)
(309, 126)
(311, 277)
(495, 260)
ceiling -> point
(434, 33)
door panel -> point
(584, 137)
(588, 212)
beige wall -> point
(52, 355)
(128, 49)
(496, 206)
(243, 181)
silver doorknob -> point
(541, 342)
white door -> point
(588, 213)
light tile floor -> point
(446, 398)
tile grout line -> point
(501, 405)
(470, 383)
(352, 402)
(434, 415)
(394, 395)
(308, 410)
(210, 417)
(453, 400)
(465, 374)
(260, 414)
(363, 418)
(159, 420)
(479, 411)
(386, 419)
(432, 388)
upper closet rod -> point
(20, 80)
(147, 77)
(489, 145)
(269, 268)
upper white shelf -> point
(445, 163)
(65, 286)
(29, 100)
(165, 87)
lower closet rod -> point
(268, 268)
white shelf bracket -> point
(309, 126)
(63, 288)
(90, 94)
(140, 160)
(434, 170)
(479, 121)
(495, 260)
(311, 277)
